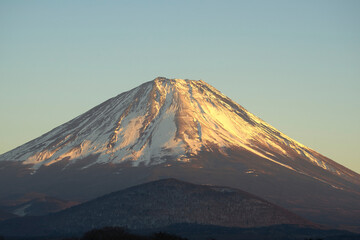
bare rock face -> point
(188, 130)
(160, 204)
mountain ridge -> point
(119, 144)
(188, 130)
(159, 204)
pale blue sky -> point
(295, 64)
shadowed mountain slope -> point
(187, 130)
(158, 204)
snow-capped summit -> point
(173, 128)
(162, 119)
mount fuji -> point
(183, 129)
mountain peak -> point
(176, 81)
(173, 79)
(178, 128)
(165, 119)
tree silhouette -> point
(166, 236)
(119, 233)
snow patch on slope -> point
(22, 210)
(161, 120)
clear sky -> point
(295, 64)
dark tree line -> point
(119, 233)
